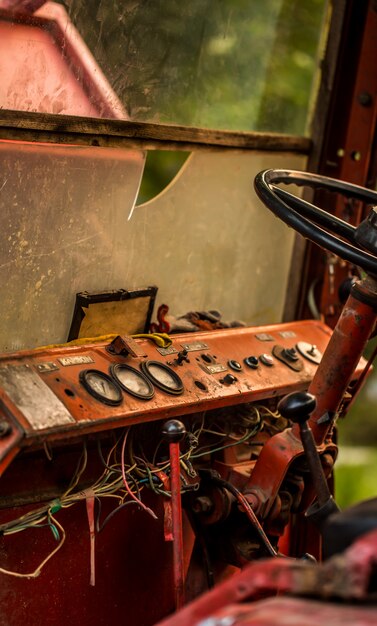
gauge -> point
(162, 376)
(309, 351)
(132, 381)
(101, 387)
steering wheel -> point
(314, 223)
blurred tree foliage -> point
(360, 425)
(226, 64)
(160, 168)
(230, 64)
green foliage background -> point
(356, 470)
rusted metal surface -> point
(347, 147)
(125, 346)
(291, 612)
(328, 386)
(134, 552)
(33, 397)
(176, 504)
(347, 576)
(273, 463)
(267, 577)
(10, 442)
(131, 560)
(22, 6)
(346, 345)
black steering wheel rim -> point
(308, 219)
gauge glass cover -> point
(101, 387)
(163, 376)
(133, 381)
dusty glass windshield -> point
(233, 64)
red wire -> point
(146, 508)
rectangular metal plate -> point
(287, 334)
(48, 366)
(214, 369)
(166, 351)
(264, 337)
(41, 407)
(196, 345)
(76, 360)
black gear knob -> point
(173, 431)
(297, 406)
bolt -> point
(327, 460)
(254, 501)
(202, 504)
(365, 99)
(356, 155)
(5, 429)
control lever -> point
(173, 431)
(182, 356)
(297, 407)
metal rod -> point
(178, 565)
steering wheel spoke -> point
(317, 215)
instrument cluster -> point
(70, 391)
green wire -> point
(229, 445)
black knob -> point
(182, 356)
(252, 361)
(234, 365)
(290, 354)
(173, 431)
(229, 379)
(297, 406)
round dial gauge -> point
(132, 381)
(101, 387)
(163, 377)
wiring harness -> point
(139, 460)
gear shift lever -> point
(297, 407)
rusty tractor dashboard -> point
(66, 392)
(96, 494)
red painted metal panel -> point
(46, 67)
(347, 578)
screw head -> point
(5, 429)
(365, 99)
